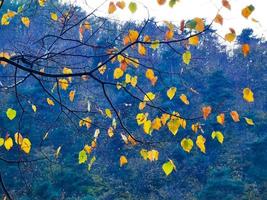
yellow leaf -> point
(42, 2)
(194, 40)
(141, 49)
(144, 154)
(249, 121)
(85, 122)
(147, 127)
(235, 116)
(57, 152)
(248, 95)
(134, 81)
(155, 44)
(111, 8)
(149, 96)
(156, 124)
(182, 123)
(200, 24)
(171, 92)
(110, 132)
(184, 99)
(220, 118)
(132, 7)
(133, 35)
(142, 105)
(63, 83)
(168, 167)
(72, 95)
(26, 145)
(151, 76)
(4, 55)
(25, 21)
(164, 118)
(218, 135)
(2, 141)
(82, 156)
(187, 144)
(206, 110)
(245, 49)
(50, 102)
(54, 16)
(8, 143)
(87, 25)
(34, 108)
(141, 118)
(108, 113)
(201, 143)
(230, 37)
(173, 126)
(123, 161)
(187, 57)
(118, 73)
(195, 127)
(153, 155)
(67, 71)
(102, 69)
(18, 138)
(87, 148)
(11, 114)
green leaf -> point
(132, 7)
(82, 157)
(11, 114)
(168, 167)
(187, 57)
(172, 3)
(91, 163)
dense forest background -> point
(236, 169)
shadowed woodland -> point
(92, 108)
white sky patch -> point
(187, 9)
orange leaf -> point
(111, 8)
(245, 49)
(235, 116)
(226, 4)
(206, 110)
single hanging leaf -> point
(93, 159)
(34, 108)
(187, 57)
(88, 149)
(230, 37)
(171, 92)
(50, 102)
(194, 40)
(235, 116)
(111, 8)
(156, 124)
(173, 125)
(118, 73)
(121, 4)
(249, 121)
(141, 49)
(220, 118)
(82, 156)
(11, 114)
(248, 95)
(172, 3)
(57, 152)
(72, 95)
(85, 122)
(54, 16)
(132, 7)
(155, 44)
(42, 2)
(141, 118)
(245, 49)
(226, 4)
(110, 132)
(8, 143)
(218, 135)
(161, 2)
(168, 167)
(147, 127)
(246, 12)
(63, 83)
(187, 144)
(108, 113)
(26, 145)
(201, 143)
(218, 19)
(153, 155)
(206, 110)
(26, 21)
(184, 99)
(123, 161)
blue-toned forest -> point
(60, 112)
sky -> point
(187, 9)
